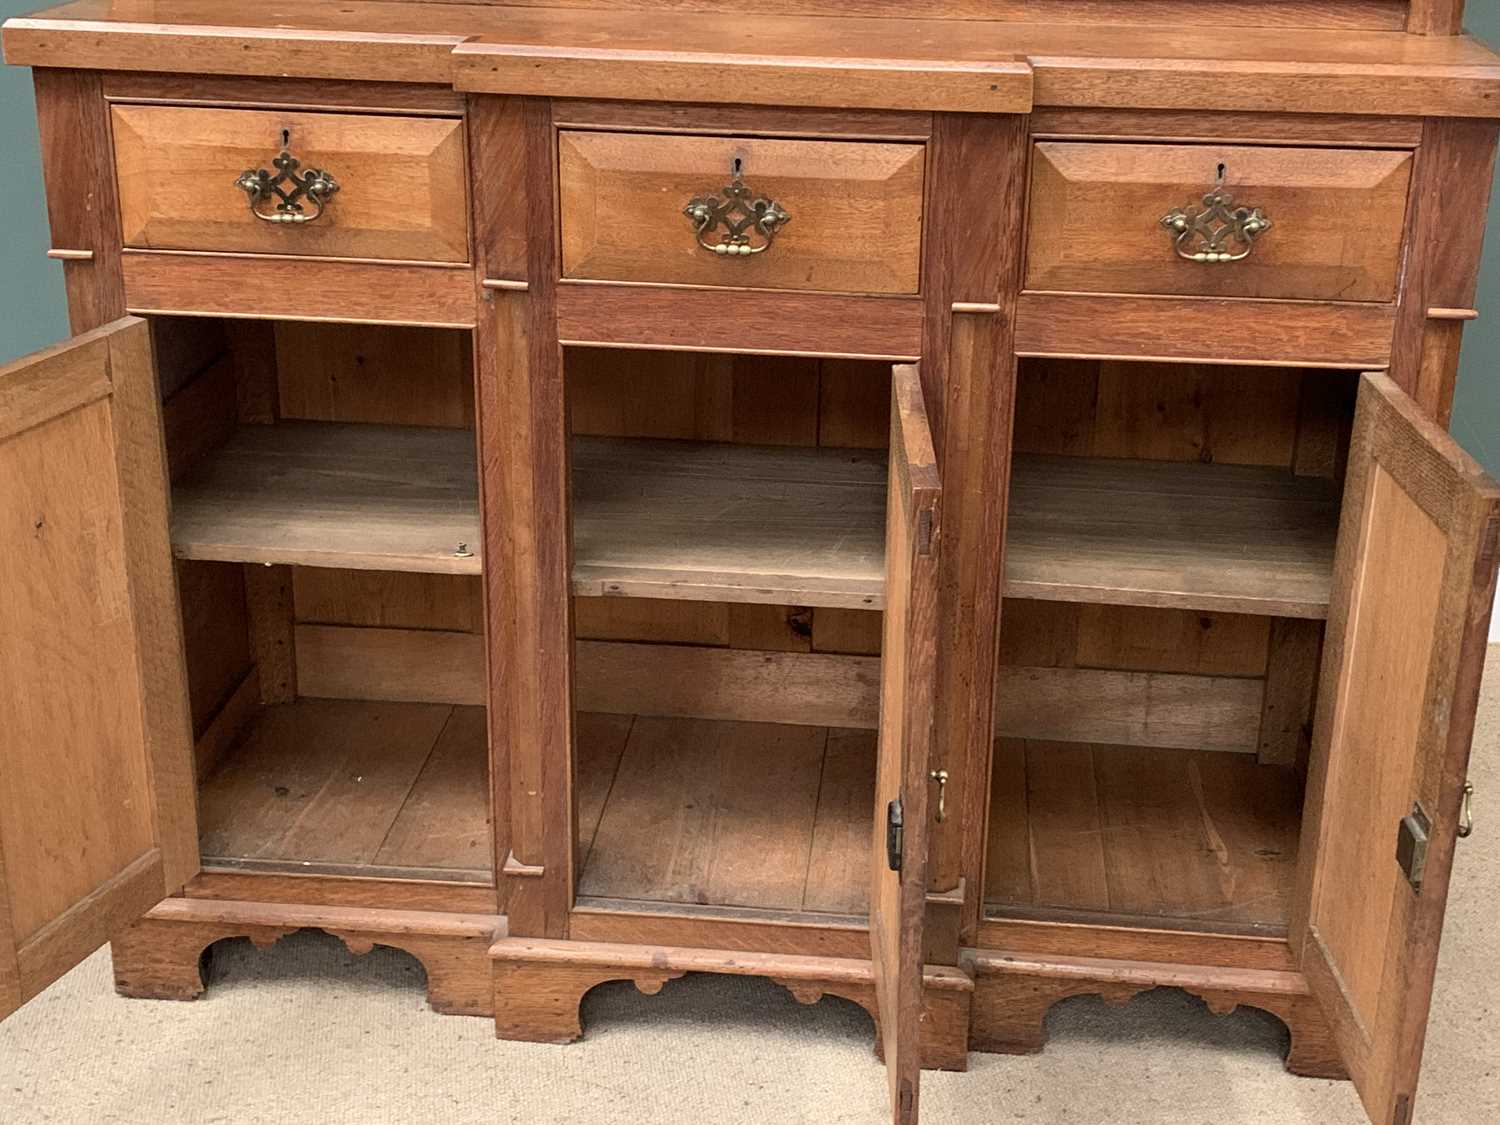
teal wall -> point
(31, 288)
(1476, 403)
(31, 291)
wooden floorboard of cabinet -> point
(727, 814)
(353, 788)
(1087, 832)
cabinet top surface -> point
(872, 62)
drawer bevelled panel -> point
(830, 216)
(1217, 220)
(271, 182)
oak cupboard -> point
(946, 509)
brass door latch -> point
(941, 777)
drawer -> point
(832, 216)
(1102, 215)
(402, 186)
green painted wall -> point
(31, 291)
(31, 288)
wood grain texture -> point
(1341, 62)
(169, 282)
(796, 75)
(1225, 537)
(757, 323)
(523, 450)
(821, 689)
(907, 665)
(1341, 130)
(753, 121)
(1455, 159)
(82, 207)
(365, 154)
(856, 211)
(357, 788)
(1193, 330)
(762, 525)
(969, 374)
(160, 957)
(1013, 994)
(281, 93)
(90, 600)
(302, 888)
(1337, 219)
(1186, 835)
(713, 813)
(1414, 582)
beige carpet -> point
(307, 1033)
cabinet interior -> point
(728, 551)
(1156, 682)
(326, 525)
(1169, 559)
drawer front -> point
(838, 216)
(402, 183)
(1102, 220)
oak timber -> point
(1150, 834)
(774, 525)
(964, 65)
(353, 787)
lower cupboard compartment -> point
(1171, 838)
(724, 814)
(353, 787)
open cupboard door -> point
(908, 655)
(1414, 579)
(97, 813)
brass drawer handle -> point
(1220, 232)
(741, 214)
(288, 187)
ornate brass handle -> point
(1220, 232)
(288, 187)
(742, 215)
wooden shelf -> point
(725, 814)
(341, 787)
(1122, 834)
(772, 525)
(735, 523)
(1231, 538)
(324, 494)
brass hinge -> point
(924, 532)
(1411, 845)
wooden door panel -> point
(1414, 581)
(97, 816)
(908, 661)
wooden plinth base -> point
(1013, 994)
(539, 986)
(160, 956)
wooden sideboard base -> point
(1012, 996)
(160, 957)
(539, 986)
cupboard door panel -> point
(908, 657)
(1413, 584)
(97, 820)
